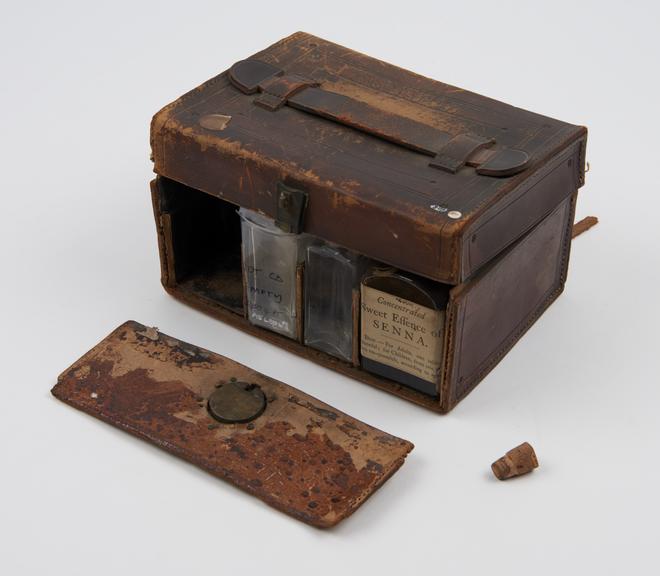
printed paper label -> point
(401, 334)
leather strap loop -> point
(278, 89)
(458, 150)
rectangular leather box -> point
(434, 180)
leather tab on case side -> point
(300, 455)
(505, 162)
(291, 204)
(247, 75)
(583, 225)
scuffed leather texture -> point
(352, 175)
(300, 456)
(448, 152)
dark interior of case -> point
(206, 237)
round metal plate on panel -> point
(454, 214)
(235, 402)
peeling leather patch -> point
(300, 456)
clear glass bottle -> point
(402, 328)
(331, 275)
(270, 259)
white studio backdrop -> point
(80, 81)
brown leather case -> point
(432, 179)
(299, 455)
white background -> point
(79, 83)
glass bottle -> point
(402, 328)
(270, 259)
(331, 275)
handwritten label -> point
(401, 334)
(271, 299)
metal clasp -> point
(291, 204)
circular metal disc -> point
(235, 402)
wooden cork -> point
(520, 460)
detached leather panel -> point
(300, 456)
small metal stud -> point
(454, 214)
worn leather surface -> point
(449, 152)
(353, 177)
(300, 456)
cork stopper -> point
(520, 460)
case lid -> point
(292, 451)
(413, 172)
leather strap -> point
(365, 118)
(456, 152)
(277, 90)
(449, 153)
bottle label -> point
(401, 334)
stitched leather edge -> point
(496, 356)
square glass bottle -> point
(270, 260)
(331, 275)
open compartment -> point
(200, 246)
